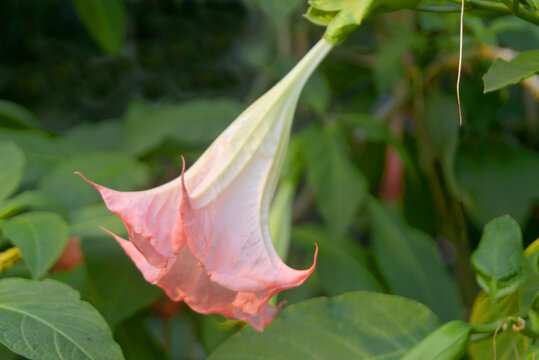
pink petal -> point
(230, 236)
(188, 281)
(150, 218)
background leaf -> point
(191, 123)
(350, 326)
(48, 321)
(497, 179)
(12, 115)
(499, 259)
(11, 168)
(115, 170)
(41, 237)
(412, 264)
(116, 287)
(339, 186)
(105, 20)
(502, 73)
(340, 267)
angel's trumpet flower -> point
(204, 237)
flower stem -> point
(8, 258)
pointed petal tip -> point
(96, 186)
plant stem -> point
(486, 5)
(508, 7)
(440, 9)
(8, 258)
(449, 210)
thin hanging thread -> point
(460, 60)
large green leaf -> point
(11, 168)
(41, 237)
(499, 259)
(503, 73)
(411, 263)
(115, 170)
(15, 116)
(359, 325)
(340, 267)
(105, 20)
(192, 123)
(497, 179)
(339, 186)
(48, 321)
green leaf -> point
(115, 286)
(359, 325)
(104, 135)
(340, 267)
(529, 288)
(105, 20)
(15, 116)
(375, 130)
(339, 186)
(411, 263)
(31, 199)
(388, 66)
(317, 93)
(499, 259)
(6, 354)
(11, 168)
(277, 11)
(114, 170)
(449, 342)
(484, 313)
(48, 321)
(280, 218)
(41, 151)
(194, 123)
(41, 237)
(497, 179)
(502, 73)
(137, 342)
(532, 353)
(86, 221)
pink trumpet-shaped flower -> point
(204, 237)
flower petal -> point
(150, 218)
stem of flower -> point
(8, 258)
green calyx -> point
(341, 17)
